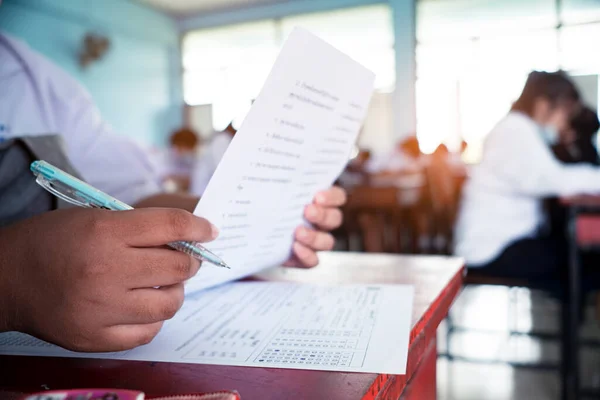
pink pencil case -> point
(119, 394)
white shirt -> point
(38, 98)
(392, 162)
(502, 200)
(208, 162)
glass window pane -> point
(364, 33)
(578, 48)
(437, 117)
(223, 46)
(446, 59)
(580, 11)
(448, 20)
(202, 86)
(228, 64)
(519, 53)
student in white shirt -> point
(405, 156)
(501, 222)
(85, 279)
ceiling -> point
(181, 8)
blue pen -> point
(74, 191)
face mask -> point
(550, 134)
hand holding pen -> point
(93, 280)
(79, 193)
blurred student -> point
(442, 187)
(405, 156)
(501, 226)
(574, 146)
(181, 158)
(576, 143)
(355, 173)
(404, 167)
(210, 159)
(85, 279)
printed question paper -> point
(273, 325)
(294, 142)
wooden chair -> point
(444, 190)
(372, 216)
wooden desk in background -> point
(437, 281)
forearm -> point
(170, 200)
(9, 261)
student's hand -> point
(86, 279)
(325, 215)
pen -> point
(79, 193)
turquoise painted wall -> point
(137, 85)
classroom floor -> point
(485, 316)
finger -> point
(332, 197)
(325, 218)
(125, 337)
(292, 262)
(147, 306)
(314, 239)
(306, 257)
(152, 267)
(158, 226)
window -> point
(473, 57)
(225, 67)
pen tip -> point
(222, 264)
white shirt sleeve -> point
(520, 158)
(112, 163)
(44, 99)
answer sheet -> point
(294, 142)
(354, 328)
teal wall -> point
(137, 85)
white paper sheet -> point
(294, 142)
(357, 328)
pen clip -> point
(63, 192)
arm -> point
(10, 256)
(113, 163)
(517, 155)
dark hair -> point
(553, 86)
(586, 123)
(410, 146)
(230, 129)
(441, 150)
(185, 137)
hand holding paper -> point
(293, 144)
(325, 215)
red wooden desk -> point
(437, 281)
(583, 232)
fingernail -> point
(320, 198)
(214, 231)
